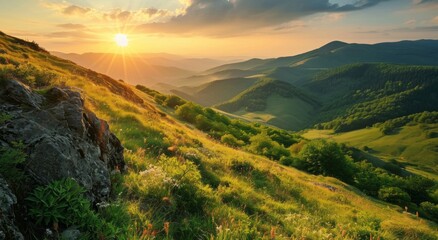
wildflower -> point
(344, 233)
(166, 228)
(272, 232)
(166, 200)
(103, 204)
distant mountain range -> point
(148, 69)
(322, 85)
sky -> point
(216, 28)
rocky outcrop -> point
(62, 139)
(7, 199)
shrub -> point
(430, 209)
(188, 112)
(262, 144)
(394, 195)
(173, 101)
(230, 140)
(4, 118)
(62, 203)
(29, 75)
(10, 159)
(159, 99)
(287, 161)
(242, 167)
(326, 158)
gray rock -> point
(7, 199)
(71, 234)
(17, 92)
(62, 138)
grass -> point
(286, 113)
(195, 193)
(409, 145)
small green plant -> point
(242, 167)
(4, 117)
(59, 202)
(10, 159)
(62, 203)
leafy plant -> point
(394, 195)
(4, 117)
(62, 203)
(10, 159)
(326, 158)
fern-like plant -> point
(59, 202)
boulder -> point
(62, 138)
(7, 199)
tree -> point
(173, 101)
(202, 123)
(394, 195)
(188, 112)
(262, 144)
(326, 158)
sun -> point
(121, 40)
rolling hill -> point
(336, 54)
(267, 95)
(413, 145)
(181, 184)
(360, 95)
(216, 92)
(356, 67)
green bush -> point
(10, 160)
(63, 204)
(173, 101)
(394, 195)
(326, 158)
(430, 210)
(230, 140)
(242, 167)
(262, 144)
(4, 118)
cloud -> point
(71, 26)
(425, 1)
(71, 34)
(221, 17)
(75, 10)
(411, 22)
(418, 29)
(117, 14)
(238, 16)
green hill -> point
(415, 145)
(336, 54)
(274, 98)
(216, 92)
(360, 95)
(356, 84)
(182, 184)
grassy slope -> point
(216, 92)
(283, 113)
(409, 145)
(274, 102)
(286, 203)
